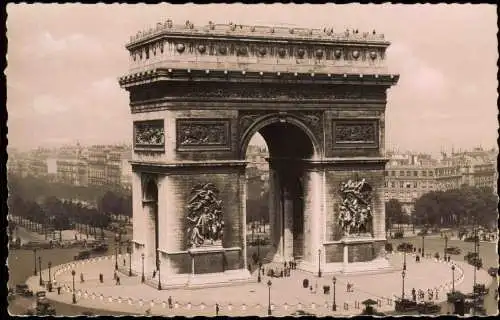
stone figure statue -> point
(205, 223)
(355, 210)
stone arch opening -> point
(270, 125)
(150, 208)
(290, 148)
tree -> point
(393, 212)
(457, 207)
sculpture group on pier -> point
(205, 219)
(355, 209)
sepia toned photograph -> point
(252, 160)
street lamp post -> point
(35, 272)
(319, 263)
(143, 278)
(40, 268)
(334, 305)
(50, 278)
(159, 278)
(403, 274)
(445, 245)
(453, 278)
(129, 260)
(116, 251)
(258, 247)
(74, 296)
(269, 283)
(423, 246)
(404, 261)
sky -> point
(64, 61)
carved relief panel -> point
(203, 134)
(355, 210)
(205, 216)
(149, 135)
(355, 134)
(312, 119)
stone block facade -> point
(320, 106)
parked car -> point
(428, 308)
(398, 235)
(453, 250)
(422, 232)
(302, 313)
(41, 295)
(473, 259)
(480, 289)
(471, 239)
(82, 255)
(405, 305)
(405, 247)
(102, 247)
(23, 290)
(471, 255)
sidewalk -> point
(287, 294)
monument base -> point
(379, 265)
(206, 280)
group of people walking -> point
(420, 294)
(279, 272)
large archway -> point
(289, 148)
(150, 209)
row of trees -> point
(36, 189)
(44, 202)
(453, 208)
(450, 208)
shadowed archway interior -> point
(288, 147)
(150, 203)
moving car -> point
(453, 250)
(82, 255)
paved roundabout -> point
(287, 294)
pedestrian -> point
(81, 278)
(154, 273)
(170, 302)
(59, 290)
(101, 278)
(117, 280)
(216, 309)
(124, 262)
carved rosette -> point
(149, 135)
(355, 211)
(204, 216)
(199, 134)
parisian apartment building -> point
(410, 175)
(96, 165)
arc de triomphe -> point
(199, 94)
